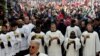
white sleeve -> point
(77, 44)
(26, 32)
(19, 39)
(79, 32)
(82, 38)
(12, 40)
(65, 43)
(29, 38)
(61, 37)
(97, 43)
(47, 38)
(44, 37)
(66, 34)
(4, 40)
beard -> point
(20, 25)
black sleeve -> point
(84, 41)
(68, 45)
(58, 41)
(74, 45)
(2, 45)
(9, 44)
(42, 40)
(81, 50)
(33, 37)
(22, 35)
(49, 42)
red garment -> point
(67, 21)
(60, 16)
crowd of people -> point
(59, 30)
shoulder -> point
(85, 32)
(42, 54)
(32, 33)
(68, 27)
(2, 35)
(95, 33)
(9, 33)
(27, 55)
(77, 27)
(48, 32)
(77, 39)
(30, 24)
(66, 39)
(58, 31)
(25, 26)
(17, 30)
(42, 33)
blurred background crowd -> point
(44, 12)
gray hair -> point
(35, 41)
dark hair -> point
(90, 24)
(13, 24)
(73, 21)
(4, 25)
(97, 19)
(53, 23)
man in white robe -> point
(14, 37)
(28, 26)
(34, 49)
(90, 42)
(39, 36)
(3, 40)
(74, 28)
(10, 44)
(2, 45)
(54, 39)
(72, 45)
(24, 43)
(18, 38)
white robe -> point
(41, 48)
(4, 40)
(92, 44)
(76, 29)
(18, 40)
(71, 51)
(11, 50)
(41, 54)
(24, 44)
(54, 49)
(28, 28)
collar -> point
(54, 31)
(72, 25)
(90, 31)
(20, 26)
(3, 32)
(38, 53)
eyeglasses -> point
(31, 47)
